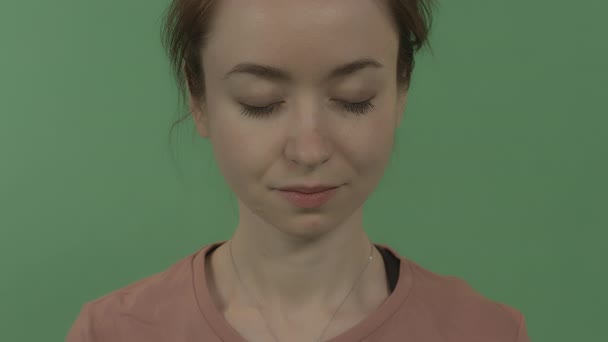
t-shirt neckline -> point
(361, 330)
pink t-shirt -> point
(175, 305)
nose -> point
(309, 145)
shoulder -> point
(456, 308)
(143, 301)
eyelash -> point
(359, 108)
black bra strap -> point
(392, 264)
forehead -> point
(301, 36)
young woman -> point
(300, 101)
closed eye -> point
(358, 108)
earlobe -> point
(199, 117)
(401, 108)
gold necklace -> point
(332, 317)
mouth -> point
(311, 199)
(308, 189)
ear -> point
(199, 115)
(401, 101)
(197, 107)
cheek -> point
(371, 157)
(238, 154)
(371, 142)
(226, 148)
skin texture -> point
(299, 263)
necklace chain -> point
(332, 317)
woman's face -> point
(306, 135)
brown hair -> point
(186, 25)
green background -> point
(499, 174)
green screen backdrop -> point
(499, 173)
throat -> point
(373, 288)
(252, 322)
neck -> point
(300, 274)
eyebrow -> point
(275, 74)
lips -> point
(308, 189)
(309, 200)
